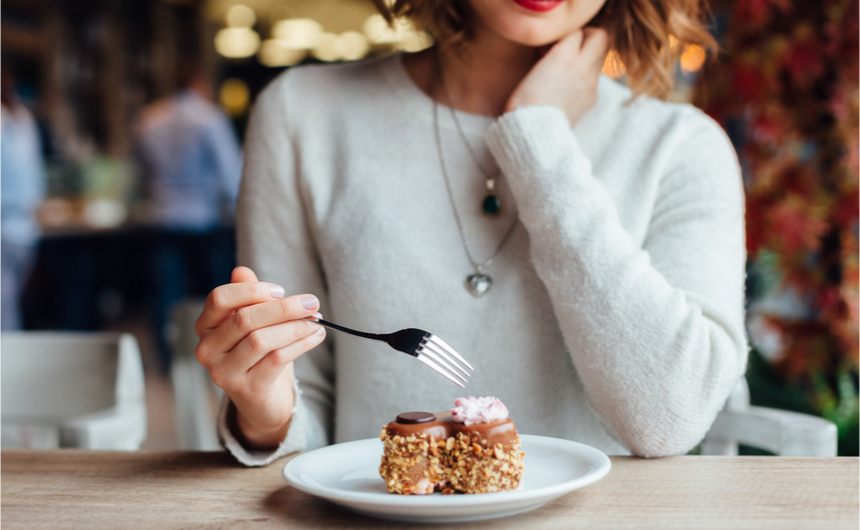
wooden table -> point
(167, 490)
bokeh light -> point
(240, 16)
(379, 32)
(693, 58)
(298, 33)
(612, 66)
(237, 43)
(327, 48)
(415, 41)
(234, 96)
(402, 34)
(352, 45)
(273, 53)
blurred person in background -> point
(22, 178)
(190, 162)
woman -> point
(602, 231)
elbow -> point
(663, 442)
(656, 430)
(665, 403)
(679, 419)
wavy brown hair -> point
(648, 35)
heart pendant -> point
(478, 284)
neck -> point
(480, 77)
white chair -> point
(778, 431)
(192, 387)
(83, 390)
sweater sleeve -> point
(656, 333)
(275, 239)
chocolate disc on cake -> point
(415, 417)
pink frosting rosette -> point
(473, 410)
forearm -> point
(656, 359)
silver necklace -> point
(478, 283)
(491, 205)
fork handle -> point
(373, 336)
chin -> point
(533, 33)
(528, 27)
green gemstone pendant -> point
(491, 205)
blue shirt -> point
(22, 176)
(191, 160)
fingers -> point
(591, 43)
(283, 342)
(224, 300)
(566, 77)
(595, 44)
(269, 368)
(574, 40)
(251, 318)
(242, 274)
(252, 331)
(568, 47)
(594, 33)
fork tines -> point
(436, 354)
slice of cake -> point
(472, 448)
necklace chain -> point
(479, 267)
(472, 154)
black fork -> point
(423, 345)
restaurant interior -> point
(102, 263)
(123, 125)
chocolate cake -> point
(472, 448)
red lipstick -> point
(539, 5)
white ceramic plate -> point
(347, 474)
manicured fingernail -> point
(277, 291)
(317, 315)
(310, 302)
(320, 332)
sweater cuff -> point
(295, 440)
(530, 140)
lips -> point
(539, 5)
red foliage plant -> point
(789, 75)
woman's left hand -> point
(566, 76)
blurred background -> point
(121, 154)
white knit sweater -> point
(616, 314)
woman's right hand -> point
(250, 334)
(566, 76)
